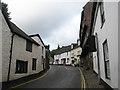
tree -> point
(5, 11)
(52, 53)
(58, 47)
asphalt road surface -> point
(58, 77)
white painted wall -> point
(0, 45)
(95, 62)
(41, 44)
(20, 53)
(55, 58)
(119, 46)
(6, 45)
(61, 56)
(66, 55)
(75, 52)
(109, 32)
(36, 38)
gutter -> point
(11, 49)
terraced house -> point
(85, 34)
(38, 39)
(62, 56)
(21, 55)
(105, 29)
(68, 55)
(76, 51)
(99, 40)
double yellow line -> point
(29, 81)
(83, 84)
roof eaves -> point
(19, 32)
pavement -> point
(56, 77)
(91, 80)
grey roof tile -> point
(64, 49)
(19, 32)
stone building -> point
(85, 34)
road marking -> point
(30, 81)
(83, 85)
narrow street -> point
(59, 44)
(58, 77)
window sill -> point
(108, 78)
(21, 73)
(29, 51)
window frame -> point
(29, 46)
(42, 49)
(57, 61)
(106, 60)
(42, 59)
(68, 60)
(34, 64)
(23, 66)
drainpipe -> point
(10, 57)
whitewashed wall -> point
(0, 46)
(6, 45)
(41, 44)
(109, 32)
(65, 55)
(75, 52)
(61, 56)
(20, 53)
(119, 46)
(36, 38)
(55, 58)
(95, 62)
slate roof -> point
(63, 49)
(75, 45)
(38, 36)
(20, 33)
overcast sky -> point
(57, 21)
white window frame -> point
(106, 60)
